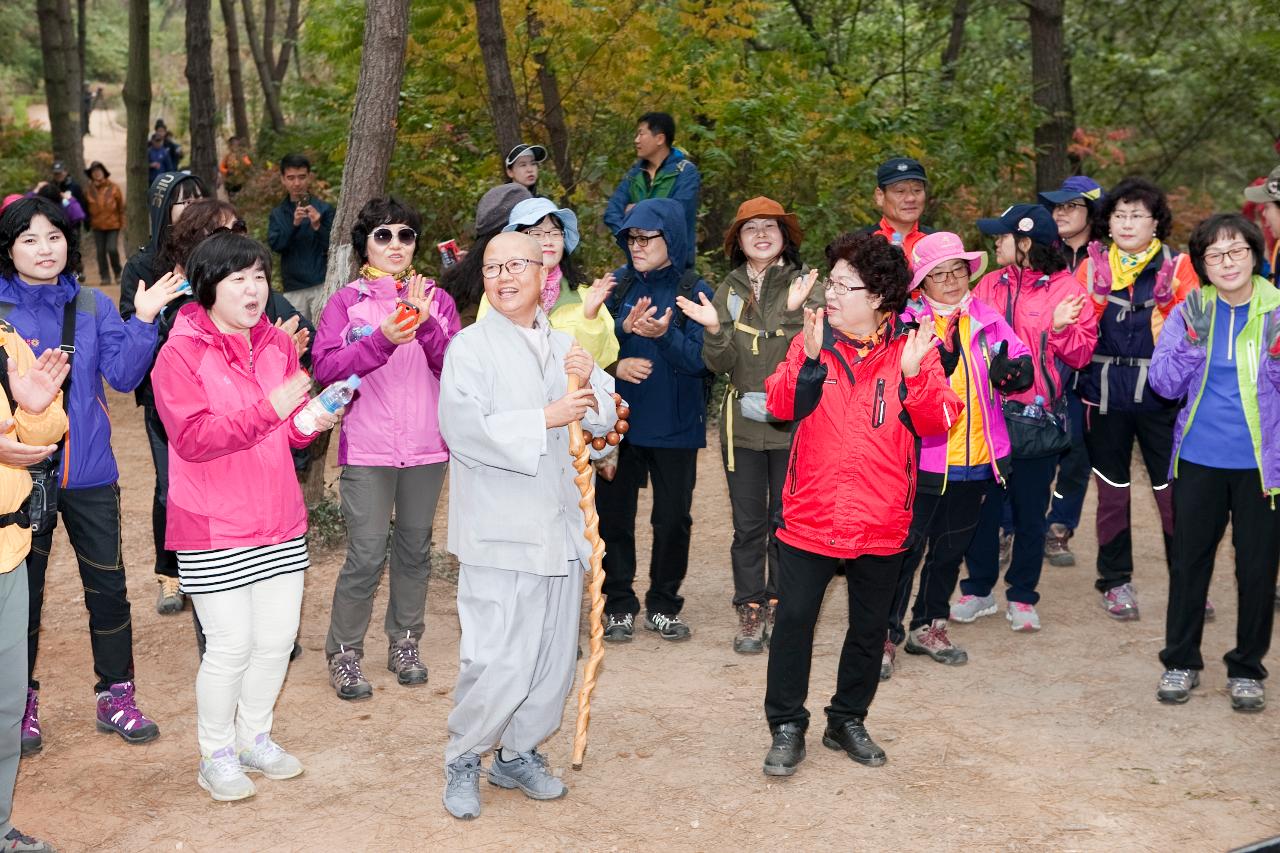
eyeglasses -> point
(1235, 253)
(1130, 217)
(1071, 205)
(642, 240)
(515, 266)
(840, 287)
(237, 227)
(941, 276)
(549, 234)
(383, 236)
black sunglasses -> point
(237, 227)
(382, 236)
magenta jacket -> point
(393, 420)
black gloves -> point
(949, 345)
(1011, 376)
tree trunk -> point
(82, 35)
(239, 111)
(269, 29)
(955, 42)
(200, 97)
(497, 71)
(1051, 93)
(370, 142)
(552, 109)
(269, 91)
(137, 102)
(287, 44)
(61, 73)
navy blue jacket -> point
(304, 251)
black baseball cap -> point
(536, 151)
(899, 169)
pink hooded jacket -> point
(231, 477)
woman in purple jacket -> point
(391, 450)
(1220, 351)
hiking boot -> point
(346, 677)
(170, 599)
(1176, 685)
(1121, 602)
(1056, 549)
(1022, 617)
(529, 772)
(932, 640)
(787, 750)
(1246, 694)
(1209, 611)
(462, 787)
(266, 757)
(118, 712)
(14, 840)
(668, 627)
(32, 739)
(971, 607)
(851, 736)
(1006, 550)
(221, 775)
(750, 637)
(620, 628)
(770, 616)
(886, 660)
(404, 661)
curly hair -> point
(1221, 225)
(881, 266)
(382, 211)
(16, 219)
(1143, 192)
(198, 221)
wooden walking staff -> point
(586, 487)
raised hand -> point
(150, 301)
(652, 327)
(421, 293)
(402, 332)
(949, 350)
(800, 289)
(570, 408)
(919, 342)
(633, 370)
(37, 388)
(1068, 311)
(813, 331)
(596, 296)
(578, 362)
(290, 394)
(702, 312)
(15, 454)
(1195, 313)
(642, 309)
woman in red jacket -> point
(862, 389)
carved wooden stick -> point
(586, 488)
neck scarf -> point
(371, 273)
(1125, 268)
(864, 343)
(941, 310)
(551, 289)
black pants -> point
(1203, 500)
(755, 495)
(1030, 482)
(944, 525)
(92, 517)
(1073, 471)
(802, 582)
(673, 472)
(1109, 439)
(166, 561)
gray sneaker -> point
(1176, 685)
(669, 627)
(1246, 694)
(404, 660)
(620, 628)
(462, 787)
(932, 640)
(529, 773)
(16, 841)
(970, 607)
(346, 677)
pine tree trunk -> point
(200, 96)
(552, 110)
(502, 91)
(137, 102)
(1051, 93)
(239, 110)
(955, 41)
(270, 93)
(82, 36)
(287, 45)
(61, 76)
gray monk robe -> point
(515, 526)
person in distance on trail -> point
(660, 171)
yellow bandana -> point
(1125, 268)
(372, 273)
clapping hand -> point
(919, 342)
(421, 294)
(813, 331)
(702, 312)
(1068, 311)
(290, 394)
(34, 390)
(402, 332)
(150, 301)
(595, 297)
(800, 290)
(300, 337)
(647, 324)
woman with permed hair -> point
(862, 388)
(390, 327)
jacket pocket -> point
(877, 408)
(791, 466)
(911, 482)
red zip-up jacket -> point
(852, 473)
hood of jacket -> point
(160, 202)
(659, 214)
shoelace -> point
(1245, 686)
(463, 774)
(663, 621)
(1122, 595)
(936, 636)
(619, 619)
(751, 619)
(348, 669)
(1179, 679)
(407, 656)
(224, 767)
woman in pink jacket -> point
(391, 450)
(228, 387)
(1045, 306)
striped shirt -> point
(222, 569)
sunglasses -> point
(237, 227)
(383, 236)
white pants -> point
(249, 633)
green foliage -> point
(24, 156)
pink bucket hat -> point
(941, 246)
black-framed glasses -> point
(383, 236)
(840, 287)
(237, 227)
(941, 276)
(1071, 205)
(515, 266)
(549, 234)
(1235, 253)
(642, 240)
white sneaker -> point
(970, 607)
(221, 776)
(1022, 617)
(266, 757)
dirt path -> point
(1050, 742)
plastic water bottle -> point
(358, 332)
(1034, 410)
(330, 400)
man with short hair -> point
(63, 181)
(901, 190)
(299, 231)
(661, 171)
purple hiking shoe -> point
(32, 739)
(118, 712)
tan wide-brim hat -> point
(762, 208)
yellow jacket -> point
(595, 336)
(15, 483)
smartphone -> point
(448, 253)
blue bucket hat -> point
(1077, 186)
(531, 211)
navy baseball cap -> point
(1023, 220)
(899, 169)
(1077, 186)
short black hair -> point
(219, 256)
(660, 123)
(382, 211)
(16, 219)
(293, 161)
(881, 266)
(1140, 191)
(1220, 225)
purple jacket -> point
(986, 328)
(392, 421)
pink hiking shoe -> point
(32, 739)
(118, 712)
